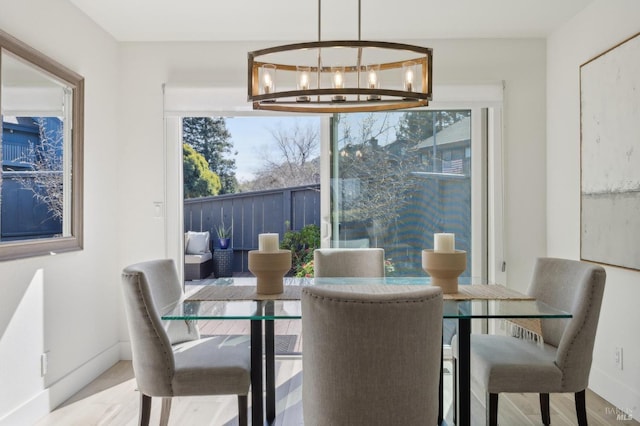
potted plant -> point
(224, 235)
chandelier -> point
(340, 76)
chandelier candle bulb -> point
(373, 81)
(338, 83)
(444, 243)
(409, 74)
(337, 79)
(268, 243)
(303, 82)
(268, 78)
(409, 79)
(267, 83)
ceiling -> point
(297, 20)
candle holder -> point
(444, 268)
(269, 269)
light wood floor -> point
(112, 399)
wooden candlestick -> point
(269, 269)
(444, 268)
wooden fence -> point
(22, 216)
(253, 213)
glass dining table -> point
(236, 299)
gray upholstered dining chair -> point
(510, 364)
(348, 262)
(371, 358)
(169, 357)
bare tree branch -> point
(45, 178)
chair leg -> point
(145, 410)
(544, 409)
(454, 373)
(166, 411)
(492, 409)
(581, 408)
(243, 405)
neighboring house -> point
(452, 148)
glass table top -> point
(186, 309)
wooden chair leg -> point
(492, 409)
(581, 408)
(145, 410)
(243, 405)
(544, 409)
(166, 411)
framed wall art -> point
(610, 156)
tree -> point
(296, 162)
(374, 179)
(209, 137)
(416, 126)
(45, 157)
(199, 180)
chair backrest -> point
(149, 288)
(576, 287)
(371, 358)
(348, 262)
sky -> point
(253, 141)
(251, 138)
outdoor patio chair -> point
(198, 259)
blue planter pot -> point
(224, 243)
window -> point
(41, 153)
(397, 178)
(483, 156)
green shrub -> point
(302, 243)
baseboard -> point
(621, 397)
(67, 386)
(48, 399)
(125, 351)
(29, 412)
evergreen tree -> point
(416, 126)
(209, 137)
(198, 179)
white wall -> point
(600, 26)
(65, 304)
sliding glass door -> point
(397, 178)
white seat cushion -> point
(195, 259)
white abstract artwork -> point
(610, 156)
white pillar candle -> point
(444, 243)
(268, 242)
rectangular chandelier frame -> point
(354, 98)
